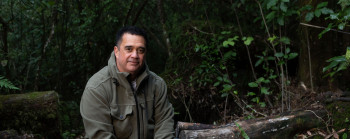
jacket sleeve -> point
(95, 112)
(164, 113)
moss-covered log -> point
(35, 112)
(283, 126)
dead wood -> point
(282, 126)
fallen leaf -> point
(309, 133)
(335, 135)
(340, 131)
(320, 133)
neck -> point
(132, 77)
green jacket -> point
(109, 110)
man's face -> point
(131, 53)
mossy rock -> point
(35, 112)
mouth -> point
(134, 62)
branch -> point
(195, 28)
(139, 12)
(129, 11)
(314, 26)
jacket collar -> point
(121, 77)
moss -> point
(35, 112)
(340, 111)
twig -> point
(254, 110)
(309, 53)
(262, 15)
(319, 118)
(195, 28)
(314, 26)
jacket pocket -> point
(122, 120)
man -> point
(125, 99)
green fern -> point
(4, 83)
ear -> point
(116, 51)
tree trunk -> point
(331, 44)
(3, 36)
(43, 49)
(165, 32)
(284, 126)
(36, 112)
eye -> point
(128, 49)
(141, 50)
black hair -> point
(131, 30)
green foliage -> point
(318, 11)
(70, 119)
(4, 83)
(337, 64)
(243, 133)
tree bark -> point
(36, 112)
(283, 126)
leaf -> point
(229, 54)
(251, 94)
(4, 83)
(279, 54)
(259, 62)
(224, 94)
(227, 43)
(325, 30)
(262, 104)
(342, 66)
(292, 56)
(306, 7)
(309, 16)
(272, 76)
(317, 12)
(219, 78)
(337, 58)
(285, 40)
(261, 79)
(327, 11)
(252, 84)
(347, 55)
(244, 135)
(248, 40)
(330, 66)
(265, 91)
(216, 84)
(334, 16)
(256, 99)
(280, 20)
(227, 87)
(270, 16)
(283, 7)
(341, 26)
(322, 4)
(287, 50)
(271, 3)
(345, 136)
(271, 39)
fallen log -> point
(35, 112)
(283, 126)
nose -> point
(134, 54)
